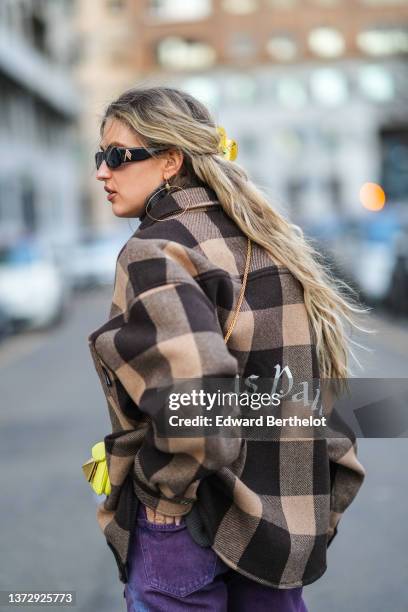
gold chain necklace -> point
(241, 293)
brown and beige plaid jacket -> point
(268, 508)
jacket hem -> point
(162, 505)
(280, 585)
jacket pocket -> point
(174, 563)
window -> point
(326, 42)
(39, 33)
(180, 10)
(377, 83)
(290, 92)
(384, 40)
(329, 86)
(327, 3)
(333, 189)
(240, 7)
(281, 4)
(28, 204)
(290, 142)
(394, 164)
(203, 88)
(282, 47)
(296, 188)
(178, 53)
(328, 139)
(385, 2)
(115, 6)
(240, 88)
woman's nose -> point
(103, 172)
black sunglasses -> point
(116, 156)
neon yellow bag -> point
(96, 470)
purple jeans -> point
(169, 572)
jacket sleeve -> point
(170, 332)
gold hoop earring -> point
(167, 187)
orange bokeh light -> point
(372, 196)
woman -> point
(216, 523)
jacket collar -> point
(163, 203)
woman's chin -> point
(118, 211)
(121, 210)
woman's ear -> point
(174, 161)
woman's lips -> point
(110, 192)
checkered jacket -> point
(269, 509)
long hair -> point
(168, 116)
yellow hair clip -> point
(227, 147)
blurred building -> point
(105, 68)
(39, 190)
(314, 91)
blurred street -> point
(314, 94)
(54, 410)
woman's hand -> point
(156, 517)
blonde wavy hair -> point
(170, 117)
